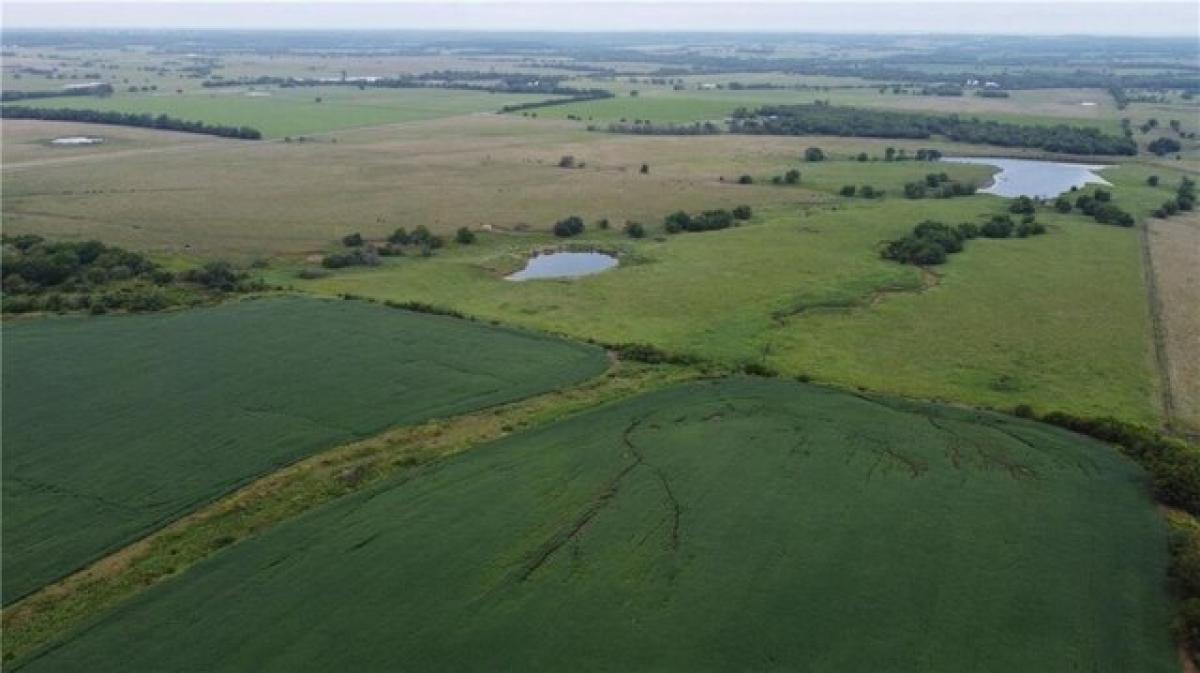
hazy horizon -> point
(1159, 19)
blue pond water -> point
(1038, 179)
(564, 265)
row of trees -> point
(938, 186)
(162, 122)
(709, 220)
(648, 129)
(89, 275)
(866, 192)
(931, 242)
(102, 90)
(365, 253)
(1099, 207)
(1185, 199)
(825, 119)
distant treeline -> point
(639, 127)
(467, 80)
(98, 90)
(825, 119)
(572, 96)
(464, 80)
(149, 121)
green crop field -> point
(728, 525)
(295, 111)
(664, 105)
(114, 426)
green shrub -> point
(568, 227)
(1000, 226)
(464, 236)
(1022, 205)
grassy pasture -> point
(263, 199)
(114, 426)
(692, 527)
(803, 289)
(663, 104)
(27, 143)
(294, 111)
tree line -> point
(60, 276)
(162, 122)
(708, 220)
(1185, 198)
(825, 119)
(930, 242)
(100, 90)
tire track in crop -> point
(552, 546)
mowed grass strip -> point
(741, 523)
(115, 426)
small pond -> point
(564, 265)
(77, 140)
(1038, 179)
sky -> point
(1061, 17)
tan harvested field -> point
(26, 143)
(248, 198)
(1175, 254)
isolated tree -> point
(644, 169)
(746, 180)
(848, 190)
(791, 177)
(1152, 180)
(352, 240)
(1022, 205)
(814, 154)
(569, 226)
(464, 236)
(634, 230)
(742, 212)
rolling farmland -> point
(705, 527)
(115, 426)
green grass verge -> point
(115, 426)
(713, 526)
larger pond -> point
(564, 265)
(1038, 179)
